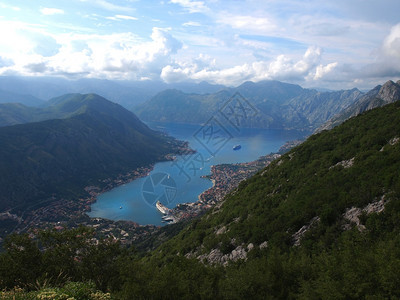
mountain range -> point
(321, 221)
(379, 96)
(78, 138)
(279, 105)
(31, 90)
(76, 141)
(28, 100)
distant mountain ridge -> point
(61, 107)
(96, 139)
(11, 97)
(379, 96)
(280, 105)
(126, 93)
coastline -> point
(72, 212)
(59, 212)
(213, 184)
(137, 173)
(225, 178)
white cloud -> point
(249, 24)
(191, 6)
(21, 39)
(391, 44)
(322, 71)
(191, 23)
(386, 62)
(240, 40)
(16, 8)
(327, 29)
(114, 56)
(281, 68)
(5, 62)
(51, 11)
(122, 17)
(108, 5)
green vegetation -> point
(98, 140)
(305, 183)
(16, 113)
(353, 165)
(70, 291)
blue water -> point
(179, 181)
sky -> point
(335, 44)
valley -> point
(199, 149)
(255, 213)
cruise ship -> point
(163, 209)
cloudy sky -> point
(331, 43)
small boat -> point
(120, 207)
(237, 147)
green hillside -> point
(311, 181)
(257, 235)
(321, 222)
(15, 113)
(59, 157)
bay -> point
(180, 181)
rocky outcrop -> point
(215, 256)
(389, 92)
(392, 142)
(352, 215)
(264, 245)
(377, 97)
(344, 163)
(220, 230)
(296, 238)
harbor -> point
(168, 215)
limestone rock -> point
(302, 231)
(264, 245)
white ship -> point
(163, 209)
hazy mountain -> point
(15, 113)
(278, 105)
(99, 139)
(377, 97)
(127, 93)
(177, 106)
(56, 108)
(315, 108)
(28, 100)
